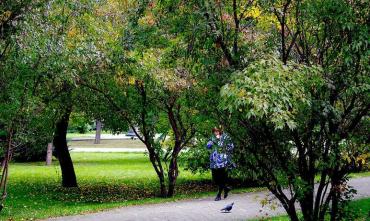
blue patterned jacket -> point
(221, 151)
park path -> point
(247, 206)
(108, 149)
(102, 136)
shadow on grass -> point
(115, 193)
(100, 193)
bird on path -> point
(228, 208)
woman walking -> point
(221, 148)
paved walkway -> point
(247, 206)
(102, 137)
(107, 149)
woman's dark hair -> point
(217, 129)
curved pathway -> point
(247, 206)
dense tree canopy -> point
(288, 79)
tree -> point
(52, 46)
(322, 59)
(44, 45)
(155, 106)
(295, 121)
(17, 106)
(135, 92)
(61, 148)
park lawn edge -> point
(151, 201)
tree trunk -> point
(61, 150)
(173, 172)
(155, 160)
(335, 199)
(288, 205)
(49, 154)
(5, 168)
(307, 206)
(307, 200)
(98, 132)
(292, 213)
(334, 208)
(162, 185)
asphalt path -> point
(247, 206)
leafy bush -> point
(196, 158)
(31, 152)
(79, 123)
(34, 146)
(32, 139)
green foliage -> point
(271, 91)
(79, 123)
(179, 68)
(196, 158)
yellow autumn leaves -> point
(4, 16)
(104, 23)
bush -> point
(35, 146)
(31, 152)
(79, 123)
(33, 139)
(195, 159)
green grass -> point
(361, 174)
(351, 175)
(106, 180)
(113, 143)
(359, 210)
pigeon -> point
(228, 208)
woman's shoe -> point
(218, 197)
(226, 192)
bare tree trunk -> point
(5, 167)
(334, 207)
(61, 150)
(292, 213)
(335, 185)
(98, 132)
(307, 205)
(173, 172)
(156, 162)
(288, 205)
(307, 200)
(162, 184)
(49, 154)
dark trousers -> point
(220, 177)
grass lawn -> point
(361, 174)
(106, 180)
(113, 143)
(362, 208)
